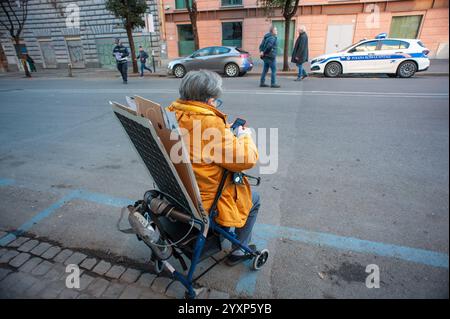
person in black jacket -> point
(268, 53)
(143, 56)
(120, 52)
(300, 53)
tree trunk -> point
(21, 57)
(3, 60)
(132, 51)
(192, 10)
(195, 32)
(289, 10)
(287, 26)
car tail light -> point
(244, 55)
(426, 52)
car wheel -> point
(406, 69)
(231, 70)
(392, 75)
(179, 71)
(333, 69)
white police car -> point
(395, 57)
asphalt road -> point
(362, 177)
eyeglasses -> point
(219, 103)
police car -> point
(395, 57)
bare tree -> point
(191, 6)
(16, 13)
(289, 10)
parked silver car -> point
(231, 61)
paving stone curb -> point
(33, 268)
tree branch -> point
(4, 25)
(290, 10)
(11, 28)
(19, 25)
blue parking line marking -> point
(104, 199)
(6, 181)
(416, 255)
(37, 218)
(76, 194)
(266, 232)
(247, 281)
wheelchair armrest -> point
(250, 177)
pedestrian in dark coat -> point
(300, 53)
(143, 56)
(31, 63)
(120, 52)
(268, 53)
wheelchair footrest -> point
(212, 247)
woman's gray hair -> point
(201, 86)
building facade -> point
(331, 25)
(53, 39)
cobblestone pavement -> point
(36, 269)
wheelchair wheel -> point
(260, 259)
(159, 266)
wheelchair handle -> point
(175, 214)
(161, 207)
(250, 177)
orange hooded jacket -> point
(213, 148)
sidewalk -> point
(36, 269)
(437, 68)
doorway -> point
(339, 36)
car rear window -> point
(203, 52)
(220, 50)
(394, 44)
(404, 45)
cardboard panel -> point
(154, 113)
(150, 148)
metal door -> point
(48, 54)
(75, 48)
(105, 48)
(339, 36)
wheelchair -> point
(170, 219)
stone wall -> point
(46, 32)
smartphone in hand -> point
(238, 122)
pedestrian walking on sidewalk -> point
(268, 53)
(31, 63)
(143, 56)
(300, 53)
(120, 52)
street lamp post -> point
(150, 27)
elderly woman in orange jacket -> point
(214, 148)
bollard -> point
(153, 61)
(70, 69)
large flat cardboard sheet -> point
(171, 175)
(150, 110)
(154, 113)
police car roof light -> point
(381, 36)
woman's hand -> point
(243, 131)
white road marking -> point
(269, 91)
